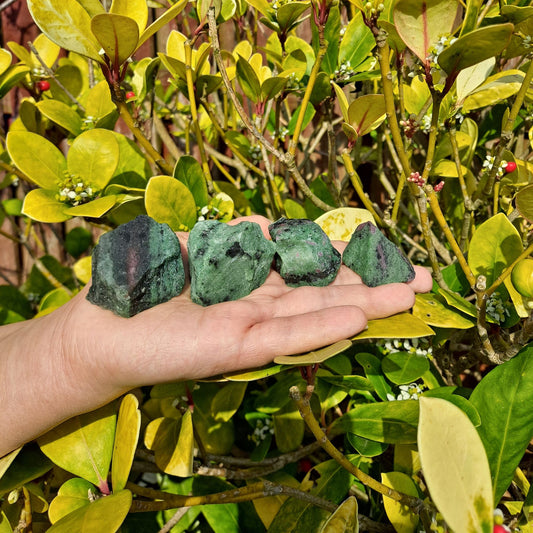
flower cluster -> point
(410, 126)
(417, 179)
(434, 52)
(208, 212)
(344, 72)
(407, 392)
(488, 165)
(74, 191)
(263, 429)
(496, 308)
(419, 347)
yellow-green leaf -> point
(5, 60)
(339, 224)
(134, 9)
(253, 375)
(52, 300)
(62, 114)
(316, 356)
(366, 113)
(99, 103)
(37, 157)
(48, 51)
(455, 466)
(82, 269)
(472, 77)
(83, 445)
(42, 205)
(126, 437)
(94, 156)
(95, 209)
(5, 526)
(67, 24)
(171, 13)
(400, 326)
(168, 200)
(344, 519)
(402, 519)
(72, 495)
(435, 313)
(288, 428)
(118, 35)
(104, 514)
(227, 400)
(173, 444)
(6, 460)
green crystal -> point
(136, 266)
(376, 259)
(227, 262)
(304, 253)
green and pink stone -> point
(139, 264)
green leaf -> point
(399, 326)
(366, 113)
(171, 13)
(372, 368)
(401, 517)
(190, 173)
(524, 202)
(83, 445)
(421, 23)
(271, 87)
(118, 36)
(94, 156)
(5, 526)
(227, 400)
(53, 300)
(11, 77)
(433, 312)
(43, 206)
(172, 442)
(67, 24)
(288, 14)
(451, 395)
(134, 9)
(72, 495)
(289, 428)
(126, 437)
(93, 7)
(475, 47)
(357, 42)
(394, 422)
(277, 396)
(331, 35)
(404, 367)
(11, 298)
(99, 103)
(455, 466)
(366, 447)
(253, 375)
(316, 356)
(37, 157)
(503, 399)
(472, 77)
(340, 223)
(308, 116)
(248, 80)
(168, 200)
(345, 519)
(61, 114)
(77, 241)
(94, 209)
(104, 514)
(495, 244)
(5, 60)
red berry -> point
(130, 94)
(510, 167)
(498, 528)
(304, 465)
(43, 85)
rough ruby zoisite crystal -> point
(376, 259)
(136, 266)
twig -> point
(176, 517)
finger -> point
(423, 280)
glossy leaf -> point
(118, 35)
(248, 80)
(172, 442)
(366, 113)
(366, 447)
(252, 375)
(6, 460)
(394, 422)
(72, 495)
(289, 428)
(475, 47)
(372, 368)
(399, 326)
(67, 24)
(104, 514)
(5, 526)
(421, 23)
(82, 269)
(472, 77)
(452, 456)
(433, 312)
(288, 14)
(61, 114)
(53, 300)
(94, 156)
(94, 209)
(357, 42)
(168, 200)
(404, 367)
(227, 400)
(135, 9)
(340, 223)
(524, 202)
(126, 437)
(83, 445)
(316, 356)
(5, 60)
(503, 399)
(190, 173)
(345, 519)
(37, 157)
(11, 77)
(162, 20)
(494, 245)
(42, 205)
(401, 517)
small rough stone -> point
(376, 259)
(227, 262)
(136, 266)
(304, 253)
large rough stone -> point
(304, 253)
(227, 262)
(376, 259)
(136, 266)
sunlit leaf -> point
(404, 367)
(366, 113)
(164, 19)
(72, 495)
(400, 326)
(340, 223)
(452, 456)
(190, 173)
(401, 517)
(344, 519)
(433, 312)
(227, 400)
(316, 356)
(135, 9)
(42, 205)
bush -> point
(414, 114)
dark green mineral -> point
(376, 259)
(227, 262)
(304, 253)
(136, 266)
